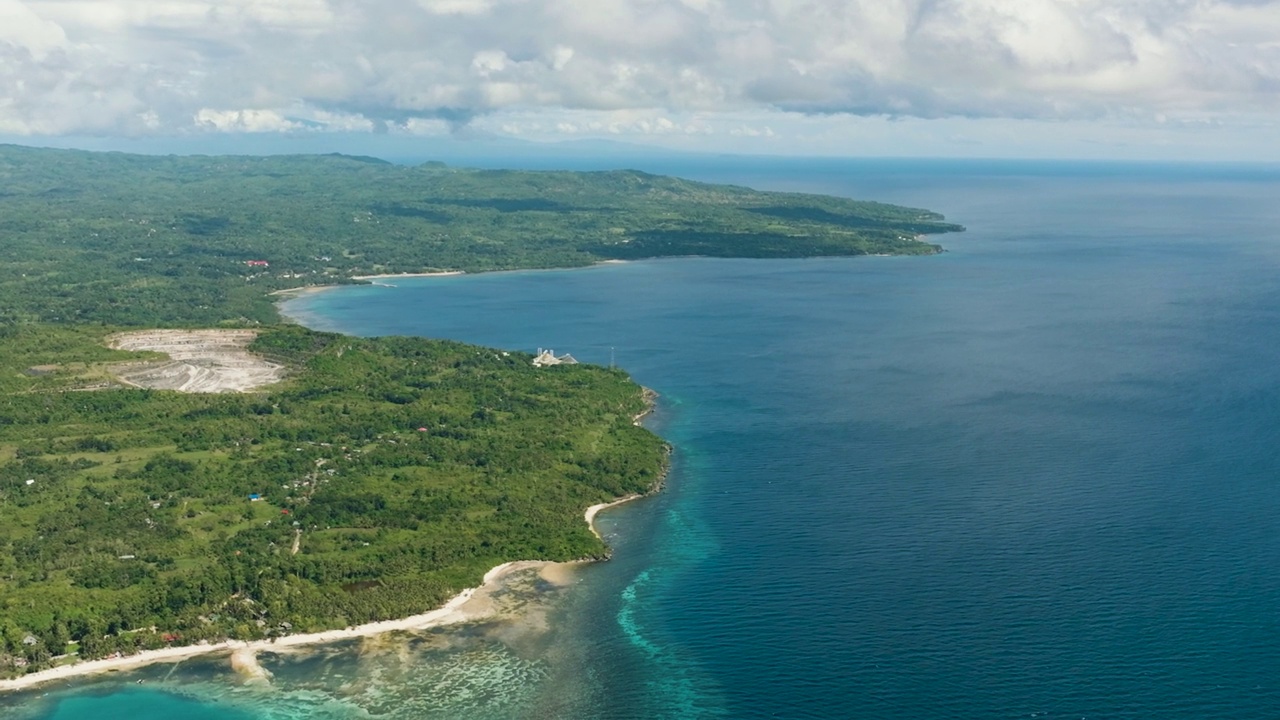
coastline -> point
(286, 294)
(293, 292)
(594, 510)
(375, 279)
(243, 652)
(386, 276)
(290, 293)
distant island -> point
(178, 465)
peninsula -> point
(147, 241)
(155, 496)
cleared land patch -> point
(200, 361)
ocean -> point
(1035, 476)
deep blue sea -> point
(1035, 476)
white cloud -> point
(456, 7)
(214, 17)
(488, 62)
(145, 66)
(244, 120)
(22, 29)
(560, 56)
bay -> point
(1033, 476)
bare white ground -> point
(200, 361)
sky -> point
(1129, 79)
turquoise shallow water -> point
(142, 703)
(1033, 476)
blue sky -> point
(1143, 79)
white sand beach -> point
(468, 605)
(388, 276)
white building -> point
(548, 357)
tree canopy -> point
(382, 477)
(182, 241)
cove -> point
(1035, 475)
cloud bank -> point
(137, 67)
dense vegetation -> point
(383, 475)
(145, 241)
(403, 468)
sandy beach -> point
(288, 293)
(389, 276)
(595, 509)
(468, 605)
(300, 291)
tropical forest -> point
(370, 478)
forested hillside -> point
(389, 474)
(382, 475)
(146, 241)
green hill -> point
(146, 240)
(382, 475)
